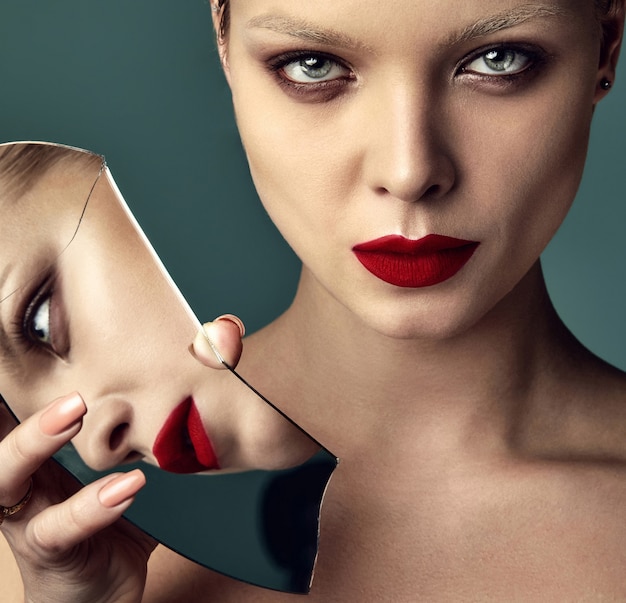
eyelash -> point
(534, 55)
(324, 90)
(32, 301)
(328, 89)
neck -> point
(465, 390)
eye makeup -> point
(40, 322)
(327, 74)
(316, 76)
(503, 64)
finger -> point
(61, 527)
(34, 441)
(220, 341)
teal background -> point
(139, 82)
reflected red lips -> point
(406, 262)
(182, 445)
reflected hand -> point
(68, 542)
(225, 334)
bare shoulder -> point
(581, 416)
(12, 590)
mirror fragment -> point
(86, 305)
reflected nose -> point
(409, 156)
(105, 439)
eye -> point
(39, 326)
(43, 324)
(312, 68)
(501, 61)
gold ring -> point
(16, 508)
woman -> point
(419, 160)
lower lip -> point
(182, 445)
(414, 264)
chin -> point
(424, 323)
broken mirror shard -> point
(86, 305)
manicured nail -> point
(203, 345)
(121, 488)
(235, 320)
(63, 414)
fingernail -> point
(63, 414)
(203, 345)
(121, 488)
(235, 320)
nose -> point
(408, 155)
(105, 438)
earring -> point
(605, 84)
(215, 8)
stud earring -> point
(605, 84)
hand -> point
(70, 543)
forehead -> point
(38, 218)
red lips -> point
(415, 263)
(182, 445)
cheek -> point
(559, 154)
(18, 391)
(530, 167)
(298, 153)
(299, 171)
(126, 323)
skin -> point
(482, 446)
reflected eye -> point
(499, 61)
(314, 68)
(39, 326)
(43, 324)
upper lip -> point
(401, 245)
(182, 445)
(414, 263)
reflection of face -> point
(460, 118)
(101, 318)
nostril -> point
(118, 435)
(432, 191)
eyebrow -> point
(305, 31)
(506, 20)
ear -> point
(612, 35)
(220, 37)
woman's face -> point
(98, 315)
(466, 119)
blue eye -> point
(498, 62)
(314, 68)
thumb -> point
(219, 342)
